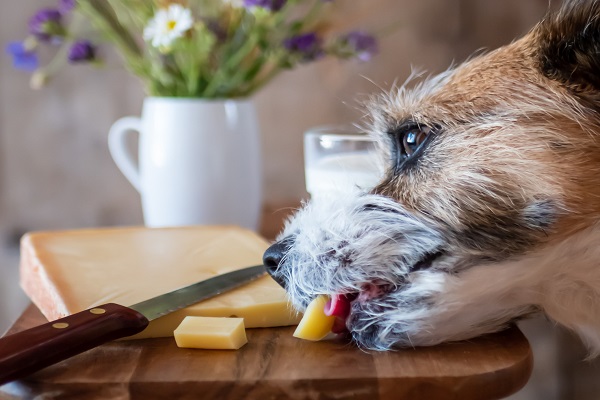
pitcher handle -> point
(117, 145)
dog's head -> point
(492, 176)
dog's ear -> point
(567, 47)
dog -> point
(489, 208)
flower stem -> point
(233, 62)
(105, 17)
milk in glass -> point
(337, 161)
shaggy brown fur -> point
(515, 157)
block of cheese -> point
(315, 325)
(211, 333)
(64, 272)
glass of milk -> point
(338, 159)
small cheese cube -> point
(211, 333)
(315, 325)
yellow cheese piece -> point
(211, 333)
(315, 325)
(64, 272)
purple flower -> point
(46, 24)
(360, 45)
(66, 6)
(82, 51)
(273, 5)
(308, 45)
(23, 59)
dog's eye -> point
(408, 141)
(413, 138)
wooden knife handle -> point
(26, 352)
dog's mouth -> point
(340, 304)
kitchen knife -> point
(31, 350)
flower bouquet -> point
(190, 48)
(199, 158)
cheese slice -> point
(315, 325)
(64, 272)
(211, 333)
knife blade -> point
(31, 350)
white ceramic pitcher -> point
(199, 161)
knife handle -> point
(31, 350)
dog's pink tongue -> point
(338, 306)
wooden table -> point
(275, 365)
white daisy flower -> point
(168, 25)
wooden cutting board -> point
(275, 365)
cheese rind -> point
(315, 325)
(64, 272)
(211, 333)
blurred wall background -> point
(56, 171)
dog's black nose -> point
(273, 256)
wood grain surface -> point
(275, 365)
